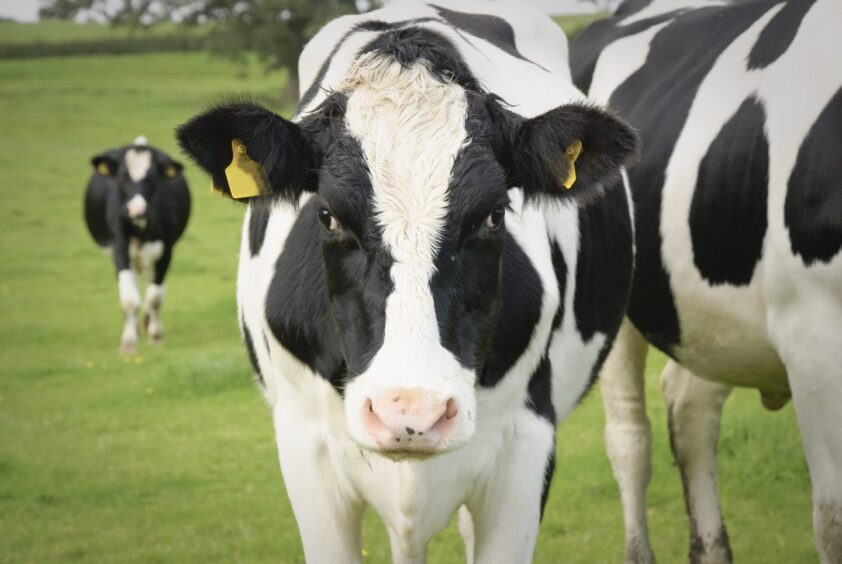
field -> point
(168, 456)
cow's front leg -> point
(129, 296)
(507, 512)
(628, 437)
(327, 510)
(694, 409)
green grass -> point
(169, 456)
(68, 32)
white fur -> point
(138, 162)
(777, 334)
(662, 6)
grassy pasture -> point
(168, 456)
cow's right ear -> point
(250, 151)
(105, 164)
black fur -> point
(813, 206)
(778, 34)
(728, 212)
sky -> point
(27, 10)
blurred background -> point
(168, 455)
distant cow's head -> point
(137, 170)
(411, 167)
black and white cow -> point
(420, 282)
(738, 206)
(136, 206)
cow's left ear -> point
(572, 151)
(250, 151)
(106, 164)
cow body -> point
(416, 349)
(136, 206)
(739, 231)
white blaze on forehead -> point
(410, 126)
(138, 162)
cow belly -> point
(724, 336)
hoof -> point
(128, 348)
(144, 323)
(156, 338)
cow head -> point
(137, 170)
(411, 170)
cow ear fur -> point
(281, 149)
(106, 164)
(539, 153)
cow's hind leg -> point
(129, 301)
(628, 438)
(155, 296)
(694, 408)
(808, 337)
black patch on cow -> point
(539, 393)
(778, 34)
(259, 220)
(251, 352)
(585, 50)
(603, 271)
(728, 212)
(493, 29)
(629, 7)
(549, 470)
(296, 308)
(605, 264)
(560, 269)
(520, 312)
(813, 206)
(410, 44)
(680, 57)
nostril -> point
(451, 409)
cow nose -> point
(411, 419)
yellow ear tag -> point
(103, 169)
(571, 153)
(245, 177)
(171, 171)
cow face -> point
(411, 173)
(137, 170)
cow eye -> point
(326, 218)
(495, 218)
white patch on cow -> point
(136, 206)
(619, 60)
(658, 7)
(129, 300)
(152, 303)
(140, 140)
(410, 127)
(138, 162)
(148, 254)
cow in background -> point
(738, 214)
(136, 205)
(420, 292)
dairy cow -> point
(136, 206)
(738, 206)
(421, 294)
